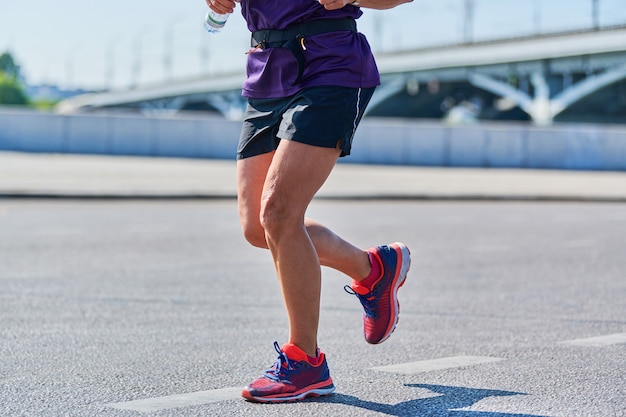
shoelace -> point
(367, 301)
(280, 370)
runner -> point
(310, 77)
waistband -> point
(271, 38)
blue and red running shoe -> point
(380, 303)
(291, 378)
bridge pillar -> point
(541, 107)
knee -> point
(254, 233)
(275, 217)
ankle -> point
(375, 272)
(295, 352)
(314, 360)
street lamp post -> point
(468, 21)
(69, 67)
(537, 16)
(205, 54)
(595, 14)
(109, 72)
(168, 49)
(136, 66)
(137, 62)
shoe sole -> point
(403, 264)
(314, 392)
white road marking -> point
(436, 364)
(598, 341)
(149, 405)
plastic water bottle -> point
(214, 22)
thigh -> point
(296, 173)
(251, 174)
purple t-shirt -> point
(337, 58)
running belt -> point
(294, 36)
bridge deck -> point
(610, 44)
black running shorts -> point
(320, 116)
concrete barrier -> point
(491, 145)
(378, 141)
(176, 136)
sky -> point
(117, 44)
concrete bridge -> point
(540, 75)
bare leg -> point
(336, 253)
(274, 193)
(295, 175)
(332, 250)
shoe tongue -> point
(293, 352)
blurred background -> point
(66, 48)
(119, 44)
(458, 62)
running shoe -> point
(291, 378)
(380, 304)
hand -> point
(369, 4)
(334, 4)
(222, 6)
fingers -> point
(333, 4)
(221, 6)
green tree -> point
(8, 66)
(11, 90)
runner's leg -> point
(332, 250)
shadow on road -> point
(446, 404)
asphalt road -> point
(511, 309)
